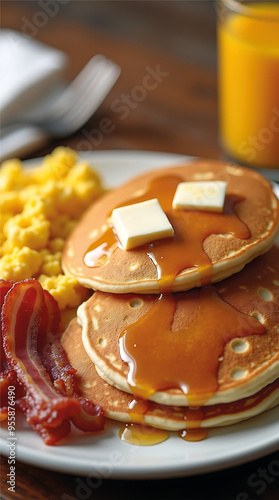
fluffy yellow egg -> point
(66, 290)
(39, 207)
(20, 264)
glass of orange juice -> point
(248, 44)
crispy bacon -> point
(90, 417)
(30, 320)
(51, 351)
(51, 435)
(21, 314)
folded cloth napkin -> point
(31, 75)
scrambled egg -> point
(38, 209)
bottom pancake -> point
(122, 406)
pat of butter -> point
(200, 195)
(141, 223)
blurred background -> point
(181, 28)
(177, 37)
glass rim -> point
(246, 10)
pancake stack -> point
(180, 333)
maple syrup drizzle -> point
(194, 417)
(137, 409)
(191, 228)
(161, 359)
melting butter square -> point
(141, 223)
(200, 195)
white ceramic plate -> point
(104, 454)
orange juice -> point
(249, 84)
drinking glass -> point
(248, 59)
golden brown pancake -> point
(223, 339)
(206, 248)
(117, 404)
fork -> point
(92, 86)
(68, 111)
(62, 115)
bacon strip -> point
(52, 354)
(34, 354)
(43, 407)
(50, 350)
(90, 417)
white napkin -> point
(31, 75)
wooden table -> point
(178, 115)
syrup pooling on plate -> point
(193, 434)
(161, 358)
(191, 228)
(142, 434)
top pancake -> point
(225, 243)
